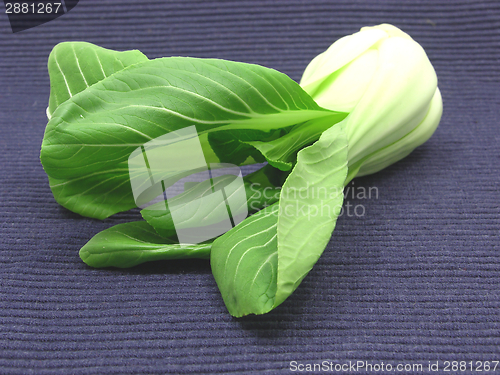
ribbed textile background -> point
(417, 278)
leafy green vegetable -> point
(91, 135)
(129, 244)
(75, 66)
(261, 261)
(107, 108)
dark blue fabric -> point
(415, 279)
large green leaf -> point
(75, 66)
(261, 261)
(129, 244)
(92, 134)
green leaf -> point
(91, 135)
(306, 221)
(244, 263)
(261, 261)
(261, 188)
(74, 66)
(127, 245)
(282, 152)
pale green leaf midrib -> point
(266, 122)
